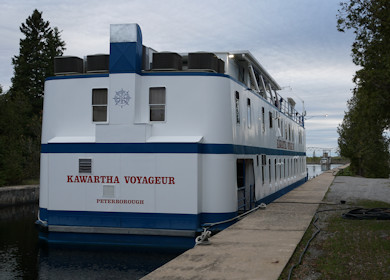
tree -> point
(362, 137)
(35, 60)
(21, 106)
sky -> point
(295, 40)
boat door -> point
(246, 199)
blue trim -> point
(122, 219)
(162, 148)
(184, 73)
(84, 76)
(141, 241)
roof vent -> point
(167, 61)
(98, 63)
(203, 61)
(68, 65)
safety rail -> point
(244, 199)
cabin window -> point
(263, 118)
(237, 101)
(249, 117)
(269, 170)
(263, 164)
(270, 119)
(276, 167)
(280, 169)
(157, 104)
(99, 105)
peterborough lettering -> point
(120, 201)
(140, 180)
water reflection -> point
(316, 169)
(23, 257)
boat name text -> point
(126, 179)
(284, 145)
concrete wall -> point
(16, 195)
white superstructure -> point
(142, 148)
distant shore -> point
(335, 160)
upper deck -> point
(136, 94)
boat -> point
(143, 148)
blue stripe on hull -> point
(141, 241)
(162, 148)
(121, 219)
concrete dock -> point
(257, 247)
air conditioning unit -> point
(221, 66)
(163, 61)
(68, 65)
(98, 63)
(203, 61)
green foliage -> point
(21, 106)
(345, 172)
(361, 135)
(35, 60)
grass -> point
(345, 172)
(345, 249)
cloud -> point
(296, 41)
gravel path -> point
(355, 188)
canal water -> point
(23, 257)
(314, 170)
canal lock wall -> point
(18, 195)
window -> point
(249, 117)
(99, 104)
(269, 170)
(263, 118)
(157, 104)
(263, 164)
(280, 169)
(276, 166)
(270, 119)
(237, 99)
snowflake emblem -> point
(122, 98)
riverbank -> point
(18, 195)
(344, 248)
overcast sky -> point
(295, 40)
